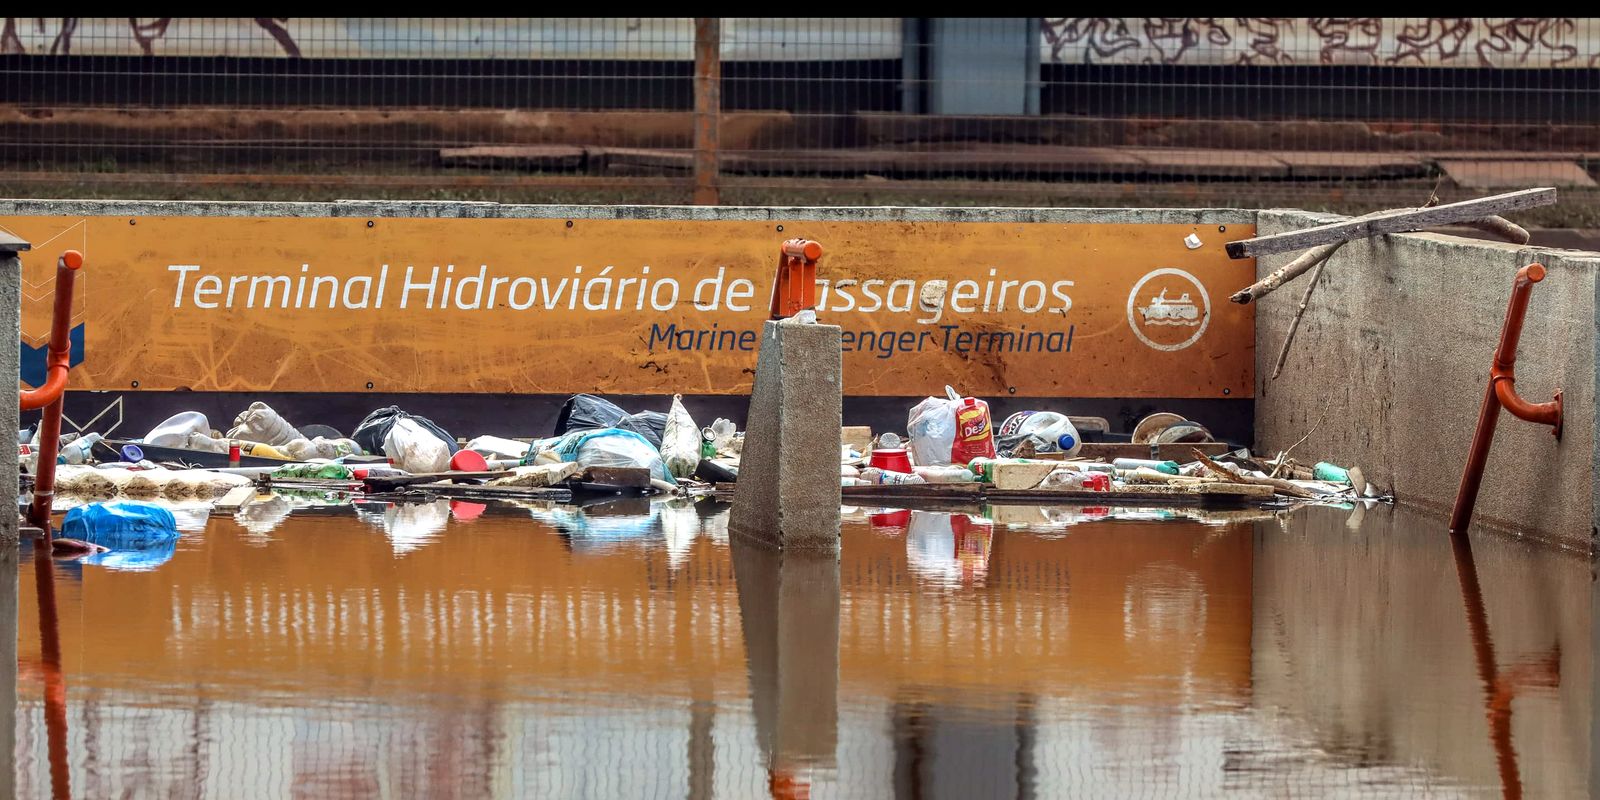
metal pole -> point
(707, 108)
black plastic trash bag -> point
(375, 428)
(587, 412)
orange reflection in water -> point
(559, 653)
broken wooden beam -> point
(1401, 221)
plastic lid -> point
(1066, 442)
(132, 453)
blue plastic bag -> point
(608, 447)
(122, 525)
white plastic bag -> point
(307, 449)
(931, 427)
(175, 430)
(259, 423)
(606, 447)
(415, 449)
(680, 442)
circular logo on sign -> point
(1168, 309)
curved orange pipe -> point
(1502, 392)
(59, 361)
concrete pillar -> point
(11, 322)
(788, 490)
(789, 612)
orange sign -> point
(550, 306)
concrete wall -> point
(11, 323)
(1391, 360)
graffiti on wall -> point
(610, 38)
(1495, 42)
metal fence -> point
(1319, 112)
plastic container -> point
(78, 451)
(891, 460)
(1169, 467)
(174, 430)
(260, 450)
(873, 475)
(974, 433)
(468, 461)
(1049, 431)
(1325, 471)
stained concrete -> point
(1392, 358)
(788, 490)
(468, 210)
(11, 322)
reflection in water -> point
(555, 651)
(949, 549)
(55, 685)
(1499, 686)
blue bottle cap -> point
(1066, 442)
(132, 454)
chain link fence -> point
(1340, 113)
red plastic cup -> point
(891, 460)
(468, 461)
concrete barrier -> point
(1391, 362)
(11, 323)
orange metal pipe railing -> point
(52, 395)
(1502, 391)
(794, 288)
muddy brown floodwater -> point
(632, 651)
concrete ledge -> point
(457, 209)
(1392, 358)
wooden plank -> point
(1399, 221)
(475, 492)
(390, 483)
(541, 157)
(618, 477)
(1109, 451)
(238, 497)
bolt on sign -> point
(541, 306)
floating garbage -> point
(259, 423)
(587, 412)
(121, 525)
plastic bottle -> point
(1325, 471)
(1049, 431)
(951, 474)
(983, 468)
(78, 451)
(260, 450)
(1169, 467)
(974, 433)
(873, 475)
